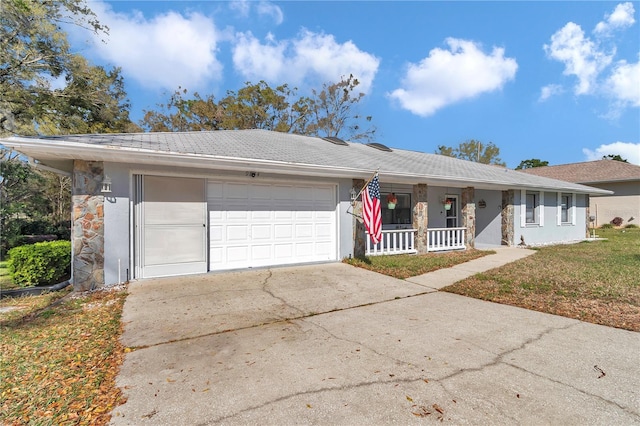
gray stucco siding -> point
(488, 218)
(549, 232)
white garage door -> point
(171, 219)
(252, 225)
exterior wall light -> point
(106, 184)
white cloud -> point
(448, 76)
(241, 6)
(269, 9)
(264, 8)
(620, 18)
(624, 83)
(166, 51)
(580, 56)
(311, 56)
(593, 66)
(627, 150)
(550, 90)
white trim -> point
(523, 208)
(541, 207)
(559, 209)
(573, 208)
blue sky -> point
(557, 81)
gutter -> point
(65, 150)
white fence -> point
(401, 241)
(440, 239)
(394, 241)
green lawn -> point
(595, 281)
(409, 265)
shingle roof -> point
(590, 172)
(254, 146)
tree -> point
(474, 150)
(331, 112)
(533, 162)
(616, 157)
(328, 112)
(45, 87)
(32, 201)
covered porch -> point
(423, 218)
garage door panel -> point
(237, 254)
(283, 232)
(261, 232)
(323, 230)
(304, 231)
(271, 224)
(237, 233)
(261, 214)
(304, 215)
(260, 253)
(304, 250)
(283, 214)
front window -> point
(565, 205)
(396, 208)
(533, 200)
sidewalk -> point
(447, 276)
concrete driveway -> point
(333, 344)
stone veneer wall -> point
(469, 216)
(87, 236)
(508, 217)
(420, 218)
(359, 231)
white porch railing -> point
(394, 241)
(440, 239)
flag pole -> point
(365, 185)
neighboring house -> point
(159, 204)
(617, 176)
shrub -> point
(40, 263)
(631, 226)
(606, 226)
(617, 221)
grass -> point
(594, 281)
(5, 278)
(59, 357)
(407, 265)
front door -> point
(452, 211)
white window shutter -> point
(523, 208)
(541, 208)
(559, 210)
(573, 208)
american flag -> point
(371, 210)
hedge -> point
(40, 263)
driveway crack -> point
(265, 288)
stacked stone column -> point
(87, 233)
(508, 216)
(359, 231)
(469, 216)
(420, 218)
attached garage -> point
(194, 225)
(261, 224)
